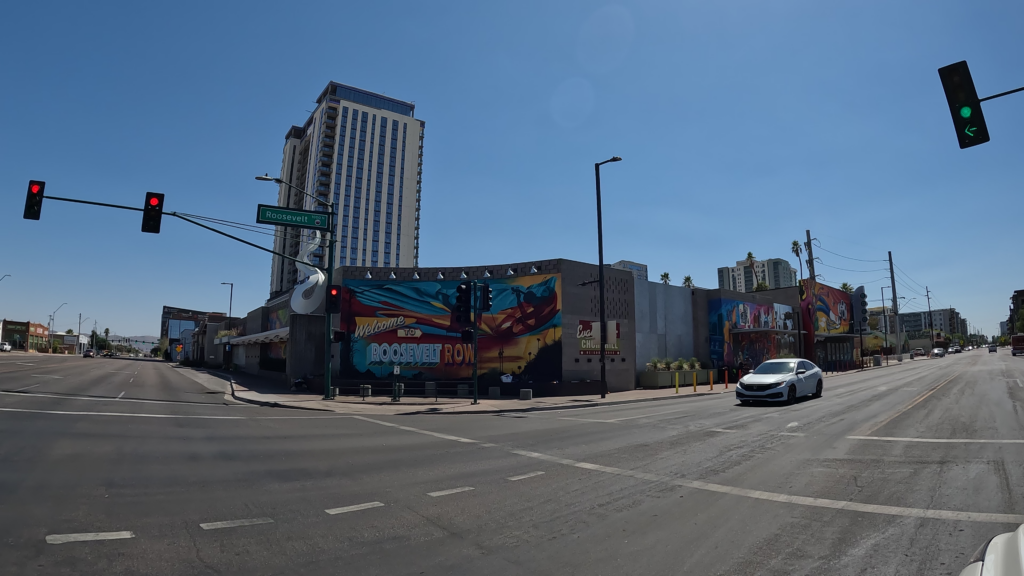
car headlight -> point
(782, 383)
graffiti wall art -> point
(749, 333)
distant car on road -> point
(107, 354)
(954, 350)
(993, 348)
(917, 352)
(782, 380)
(939, 353)
(89, 353)
(5, 346)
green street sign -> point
(267, 214)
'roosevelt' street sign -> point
(266, 214)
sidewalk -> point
(265, 392)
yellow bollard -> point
(677, 382)
(694, 380)
(711, 379)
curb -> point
(566, 407)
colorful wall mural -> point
(749, 333)
(411, 325)
(826, 310)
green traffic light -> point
(965, 112)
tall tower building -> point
(364, 151)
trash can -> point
(463, 389)
(365, 390)
(494, 392)
(526, 394)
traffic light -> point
(860, 309)
(152, 212)
(334, 299)
(338, 336)
(463, 301)
(486, 300)
(964, 105)
(34, 199)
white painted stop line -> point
(354, 508)
(87, 537)
(447, 492)
(234, 523)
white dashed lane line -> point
(524, 476)
(354, 508)
(234, 523)
(45, 376)
(119, 395)
(26, 388)
(935, 440)
(87, 537)
(451, 491)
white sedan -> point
(782, 380)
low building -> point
(38, 338)
(638, 270)
(15, 333)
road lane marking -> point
(354, 508)
(25, 364)
(108, 398)
(417, 430)
(953, 515)
(792, 424)
(589, 420)
(118, 372)
(197, 417)
(524, 476)
(451, 491)
(652, 414)
(26, 388)
(912, 404)
(119, 395)
(234, 523)
(87, 537)
(45, 376)
(791, 434)
(132, 380)
(936, 440)
(720, 430)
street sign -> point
(398, 370)
(277, 216)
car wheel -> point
(817, 390)
(791, 395)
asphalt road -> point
(901, 470)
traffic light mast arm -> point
(1007, 93)
(176, 215)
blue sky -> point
(741, 124)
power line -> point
(909, 278)
(848, 270)
(847, 257)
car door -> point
(807, 381)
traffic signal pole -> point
(473, 301)
(328, 328)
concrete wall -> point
(214, 352)
(305, 346)
(582, 303)
(664, 322)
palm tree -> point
(687, 282)
(750, 262)
(797, 250)
(846, 287)
(665, 278)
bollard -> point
(711, 379)
(526, 394)
(677, 382)
(694, 380)
(726, 378)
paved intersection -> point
(118, 466)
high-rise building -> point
(364, 152)
(639, 270)
(775, 272)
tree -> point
(797, 250)
(69, 331)
(665, 278)
(873, 322)
(750, 262)
(106, 333)
(687, 282)
(846, 287)
(761, 285)
(1020, 323)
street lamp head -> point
(615, 159)
(265, 178)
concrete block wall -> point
(664, 322)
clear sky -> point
(741, 124)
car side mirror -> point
(801, 371)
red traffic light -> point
(154, 201)
(334, 291)
(35, 188)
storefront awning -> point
(279, 335)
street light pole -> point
(600, 272)
(328, 327)
(53, 324)
(231, 297)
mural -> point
(748, 332)
(411, 325)
(826, 310)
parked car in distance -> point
(5, 346)
(954, 350)
(993, 348)
(781, 380)
(939, 353)
(89, 353)
(1016, 344)
(917, 352)
(107, 354)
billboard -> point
(411, 325)
(749, 333)
(826, 310)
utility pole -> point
(810, 257)
(473, 306)
(931, 332)
(895, 303)
(78, 335)
(885, 318)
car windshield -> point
(775, 368)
